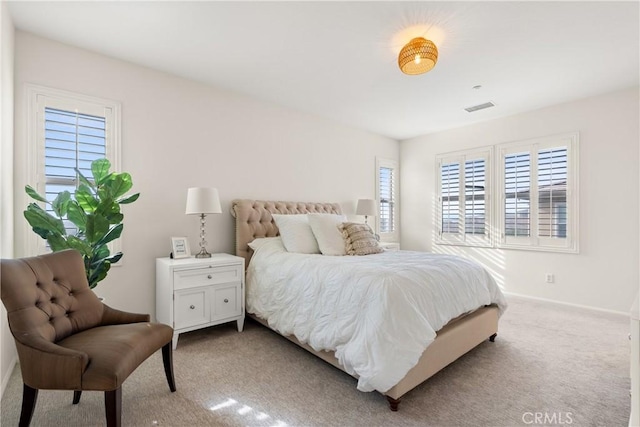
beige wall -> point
(605, 273)
(178, 134)
(7, 347)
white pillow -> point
(329, 237)
(259, 242)
(296, 234)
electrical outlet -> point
(549, 278)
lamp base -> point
(203, 254)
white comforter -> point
(377, 312)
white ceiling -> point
(339, 59)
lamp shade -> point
(418, 56)
(202, 200)
(366, 207)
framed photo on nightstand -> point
(180, 247)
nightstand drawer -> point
(207, 276)
(191, 308)
(226, 302)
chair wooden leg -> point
(113, 407)
(76, 396)
(29, 398)
(167, 360)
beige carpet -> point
(570, 365)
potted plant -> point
(95, 212)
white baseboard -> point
(602, 310)
(7, 375)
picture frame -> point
(180, 247)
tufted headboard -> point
(253, 219)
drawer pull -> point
(226, 300)
(209, 276)
(192, 307)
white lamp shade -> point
(366, 207)
(202, 200)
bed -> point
(452, 339)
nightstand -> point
(194, 293)
(390, 246)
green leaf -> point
(57, 242)
(115, 218)
(60, 203)
(41, 232)
(129, 199)
(85, 199)
(80, 245)
(84, 180)
(100, 252)
(113, 234)
(34, 194)
(119, 184)
(97, 274)
(100, 170)
(76, 215)
(97, 227)
(107, 206)
(39, 219)
(115, 258)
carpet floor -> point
(550, 365)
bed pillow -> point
(259, 242)
(329, 237)
(359, 239)
(296, 233)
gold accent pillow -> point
(359, 239)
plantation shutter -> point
(539, 180)
(450, 198)
(517, 189)
(463, 198)
(72, 140)
(552, 192)
(386, 186)
(474, 191)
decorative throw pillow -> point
(325, 228)
(296, 233)
(359, 239)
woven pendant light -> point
(418, 56)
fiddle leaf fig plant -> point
(94, 210)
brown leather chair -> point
(67, 339)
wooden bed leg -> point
(492, 338)
(393, 403)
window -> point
(67, 130)
(71, 140)
(538, 182)
(536, 188)
(463, 198)
(387, 191)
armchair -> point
(67, 339)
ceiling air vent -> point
(480, 107)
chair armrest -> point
(46, 365)
(111, 316)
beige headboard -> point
(253, 219)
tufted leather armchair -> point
(67, 339)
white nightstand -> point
(390, 246)
(194, 293)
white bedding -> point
(377, 312)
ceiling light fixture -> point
(418, 56)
